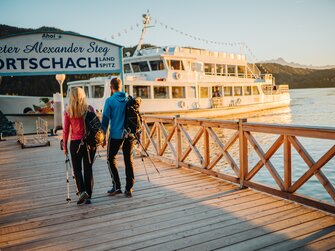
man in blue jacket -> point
(114, 115)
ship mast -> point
(146, 21)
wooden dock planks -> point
(179, 209)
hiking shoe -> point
(114, 191)
(88, 201)
(82, 197)
(128, 194)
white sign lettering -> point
(51, 53)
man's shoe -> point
(128, 194)
(82, 197)
(88, 201)
(114, 191)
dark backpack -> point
(94, 135)
(133, 120)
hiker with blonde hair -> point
(74, 126)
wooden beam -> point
(167, 140)
(267, 163)
(206, 149)
(287, 163)
(293, 130)
(210, 172)
(294, 197)
(193, 143)
(150, 135)
(243, 147)
(190, 143)
(223, 151)
(310, 162)
(314, 168)
(275, 146)
(178, 141)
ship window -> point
(126, 68)
(228, 91)
(247, 90)
(175, 64)
(216, 91)
(231, 70)
(204, 92)
(161, 92)
(241, 71)
(157, 65)
(220, 69)
(140, 66)
(141, 91)
(191, 92)
(178, 92)
(97, 91)
(255, 90)
(237, 90)
(209, 69)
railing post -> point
(178, 141)
(287, 164)
(243, 147)
(143, 134)
(158, 139)
(206, 148)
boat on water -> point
(187, 81)
(190, 82)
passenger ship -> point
(191, 82)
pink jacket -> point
(77, 128)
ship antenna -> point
(146, 21)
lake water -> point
(313, 107)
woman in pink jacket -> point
(74, 125)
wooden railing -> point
(209, 146)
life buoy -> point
(182, 104)
(177, 75)
(196, 105)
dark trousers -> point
(83, 183)
(127, 148)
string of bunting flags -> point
(156, 21)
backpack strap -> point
(84, 134)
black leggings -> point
(86, 183)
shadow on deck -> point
(178, 209)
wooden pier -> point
(179, 208)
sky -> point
(300, 31)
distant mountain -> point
(6, 30)
(300, 77)
(296, 65)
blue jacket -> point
(114, 115)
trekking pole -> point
(67, 160)
(147, 154)
(144, 166)
(74, 178)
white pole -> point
(60, 78)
